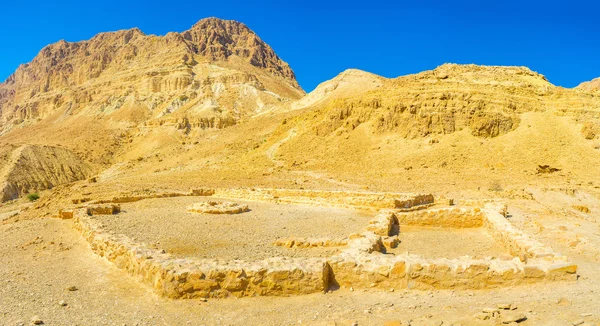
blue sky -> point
(319, 39)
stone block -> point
(562, 271)
(65, 214)
(202, 192)
(390, 242)
(533, 271)
(103, 209)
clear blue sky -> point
(319, 39)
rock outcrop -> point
(590, 86)
(33, 168)
(219, 39)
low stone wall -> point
(213, 207)
(361, 263)
(384, 224)
(137, 196)
(66, 214)
(202, 192)
(453, 217)
(103, 209)
(517, 242)
(497, 205)
(364, 200)
(194, 278)
(377, 270)
(413, 200)
(310, 242)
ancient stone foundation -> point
(310, 242)
(363, 200)
(137, 196)
(193, 278)
(362, 262)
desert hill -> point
(592, 85)
(348, 83)
(214, 75)
(477, 125)
(215, 105)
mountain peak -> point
(220, 39)
(217, 22)
(151, 72)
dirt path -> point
(111, 173)
(322, 176)
(272, 153)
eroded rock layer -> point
(486, 99)
(213, 75)
(33, 168)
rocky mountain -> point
(217, 101)
(212, 76)
(95, 97)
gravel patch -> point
(435, 242)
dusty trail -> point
(272, 154)
(272, 151)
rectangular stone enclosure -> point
(365, 259)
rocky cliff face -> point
(485, 99)
(219, 39)
(216, 73)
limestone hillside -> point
(351, 82)
(215, 105)
(488, 100)
(486, 122)
(28, 168)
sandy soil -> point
(434, 242)
(165, 223)
(34, 276)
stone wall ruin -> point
(361, 263)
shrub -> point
(33, 197)
(495, 186)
